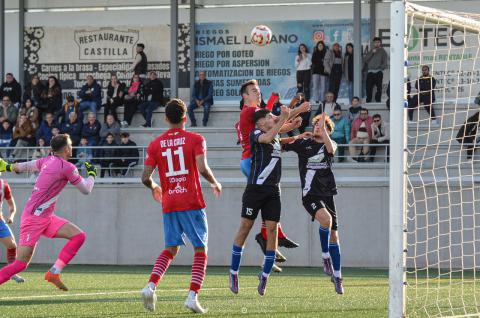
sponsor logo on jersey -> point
(178, 190)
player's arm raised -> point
(326, 136)
(288, 140)
(84, 185)
(268, 136)
(29, 166)
(207, 173)
(303, 108)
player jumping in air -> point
(251, 96)
(38, 218)
(180, 157)
(315, 157)
(6, 235)
(262, 193)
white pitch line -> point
(105, 293)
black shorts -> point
(263, 198)
(314, 203)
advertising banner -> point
(224, 51)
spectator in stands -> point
(328, 105)
(355, 108)
(23, 136)
(360, 134)
(115, 94)
(41, 150)
(84, 154)
(319, 75)
(45, 130)
(341, 131)
(202, 96)
(140, 64)
(128, 156)
(6, 136)
(108, 155)
(31, 111)
(468, 132)
(71, 106)
(110, 127)
(8, 110)
(375, 62)
(425, 96)
(91, 95)
(91, 130)
(380, 135)
(134, 98)
(53, 98)
(348, 69)
(55, 131)
(154, 98)
(334, 66)
(303, 63)
(73, 127)
(34, 91)
(12, 89)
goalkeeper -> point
(38, 218)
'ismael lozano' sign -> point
(106, 44)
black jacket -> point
(141, 68)
(34, 93)
(12, 90)
(317, 62)
(130, 154)
(468, 131)
(154, 88)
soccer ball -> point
(261, 35)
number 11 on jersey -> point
(181, 160)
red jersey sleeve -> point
(200, 147)
(7, 192)
(151, 155)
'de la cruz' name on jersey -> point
(266, 161)
(315, 165)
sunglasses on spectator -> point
(337, 114)
(377, 120)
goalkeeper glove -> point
(91, 170)
(5, 166)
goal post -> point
(397, 193)
(434, 195)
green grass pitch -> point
(114, 291)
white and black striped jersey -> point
(315, 165)
(266, 166)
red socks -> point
(70, 250)
(161, 265)
(11, 254)
(199, 268)
(264, 231)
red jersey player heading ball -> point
(180, 157)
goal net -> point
(441, 225)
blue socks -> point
(324, 240)
(237, 252)
(268, 262)
(336, 261)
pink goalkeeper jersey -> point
(55, 173)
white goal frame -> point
(399, 12)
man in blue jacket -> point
(45, 130)
(91, 95)
(202, 96)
